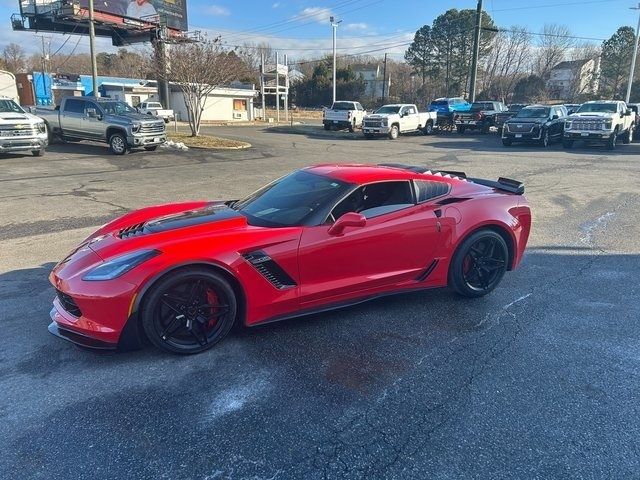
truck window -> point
(73, 105)
(342, 106)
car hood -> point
(593, 115)
(375, 116)
(12, 118)
(153, 226)
(512, 120)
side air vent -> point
(450, 200)
(68, 304)
(132, 231)
(426, 272)
(270, 270)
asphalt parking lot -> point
(540, 379)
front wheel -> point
(118, 144)
(394, 132)
(613, 141)
(544, 141)
(352, 126)
(628, 136)
(479, 264)
(189, 311)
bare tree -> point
(197, 69)
(553, 47)
(251, 53)
(14, 58)
(506, 63)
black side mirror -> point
(555, 117)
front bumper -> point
(23, 144)
(375, 130)
(534, 135)
(144, 140)
(602, 136)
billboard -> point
(173, 12)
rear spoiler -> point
(504, 184)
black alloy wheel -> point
(189, 311)
(479, 264)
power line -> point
(552, 5)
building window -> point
(239, 105)
(135, 100)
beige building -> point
(571, 79)
(228, 104)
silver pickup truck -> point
(103, 120)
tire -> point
(460, 129)
(506, 142)
(151, 148)
(37, 153)
(352, 126)
(394, 132)
(478, 264)
(627, 138)
(189, 311)
(567, 144)
(327, 126)
(613, 140)
(428, 128)
(544, 141)
(118, 144)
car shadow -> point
(91, 148)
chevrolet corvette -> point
(180, 275)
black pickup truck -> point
(481, 116)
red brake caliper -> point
(212, 299)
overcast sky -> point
(301, 28)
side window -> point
(88, 105)
(427, 190)
(74, 106)
(375, 199)
(358, 106)
(403, 110)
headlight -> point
(607, 124)
(136, 127)
(41, 127)
(385, 122)
(567, 125)
(120, 265)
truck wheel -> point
(37, 153)
(327, 126)
(118, 144)
(628, 136)
(544, 141)
(613, 140)
(393, 133)
(352, 126)
(567, 144)
(428, 128)
(460, 129)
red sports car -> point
(319, 238)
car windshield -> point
(9, 106)
(533, 113)
(598, 107)
(116, 108)
(440, 103)
(482, 106)
(389, 109)
(515, 108)
(291, 200)
(342, 106)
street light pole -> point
(92, 49)
(334, 26)
(635, 54)
(476, 52)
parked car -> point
(502, 117)
(21, 131)
(331, 235)
(481, 116)
(635, 108)
(397, 119)
(535, 123)
(600, 121)
(104, 120)
(155, 109)
(343, 114)
(572, 107)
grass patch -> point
(206, 141)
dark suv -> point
(539, 124)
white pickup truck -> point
(392, 120)
(343, 114)
(600, 121)
(20, 131)
(155, 109)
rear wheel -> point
(189, 311)
(479, 264)
(428, 128)
(118, 144)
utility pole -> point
(384, 77)
(92, 49)
(476, 53)
(635, 54)
(334, 26)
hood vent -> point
(270, 270)
(132, 231)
